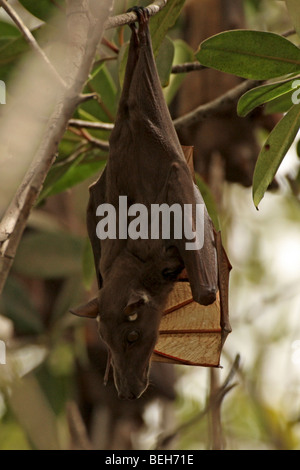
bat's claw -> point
(142, 14)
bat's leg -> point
(143, 19)
(133, 53)
(133, 27)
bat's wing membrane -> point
(224, 268)
(97, 197)
(201, 262)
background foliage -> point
(53, 270)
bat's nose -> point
(127, 396)
(131, 390)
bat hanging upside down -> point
(136, 274)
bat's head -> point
(130, 332)
(131, 302)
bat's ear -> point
(136, 299)
(89, 310)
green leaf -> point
(263, 94)
(8, 30)
(293, 7)
(209, 201)
(49, 255)
(159, 26)
(11, 50)
(55, 174)
(183, 53)
(43, 9)
(122, 61)
(12, 436)
(69, 294)
(68, 145)
(273, 152)
(164, 60)
(250, 54)
(75, 175)
(281, 104)
(16, 305)
(100, 134)
(163, 21)
(13, 47)
(34, 413)
(103, 84)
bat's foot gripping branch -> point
(143, 20)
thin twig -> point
(100, 102)
(29, 38)
(187, 67)
(110, 45)
(83, 97)
(220, 394)
(131, 17)
(220, 104)
(73, 156)
(216, 396)
(106, 126)
(78, 432)
(102, 144)
(216, 439)
(288, 33)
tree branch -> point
(220, 104)
(29, 38)
(102, 144)
(220, 394)
(86, 22)
(103, 126)
(85, 33)
(187, 67)
(78, 433)
(131, 17)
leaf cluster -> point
(274, 60)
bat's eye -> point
(132, 317)
(133, 336)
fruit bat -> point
(136, 274)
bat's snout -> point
(131, 386)
(133, 391)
